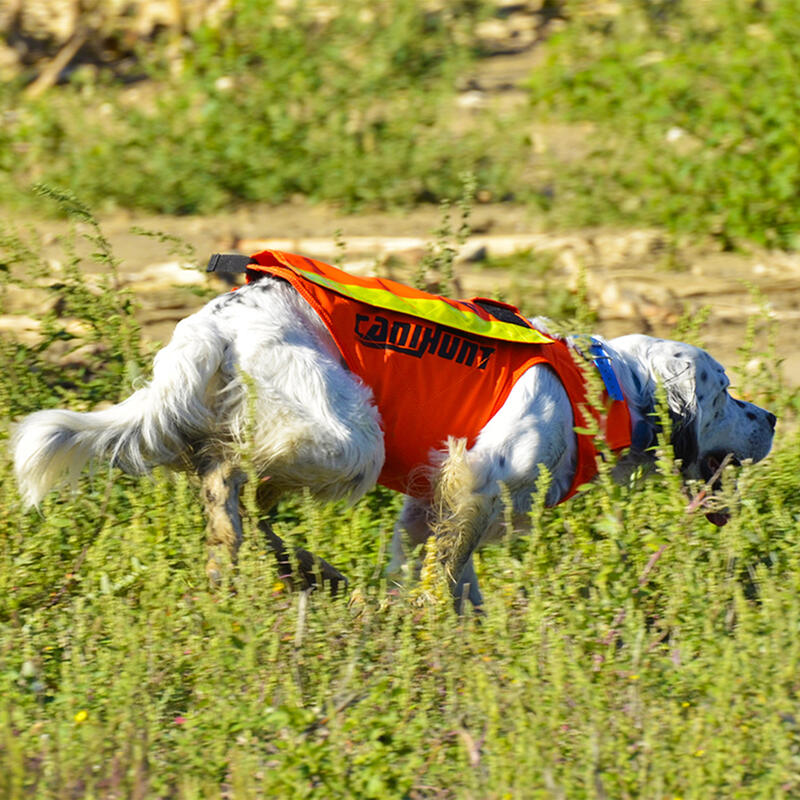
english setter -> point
(262, 347)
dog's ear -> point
(685, 444)
(673, 365)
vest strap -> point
(502, 311)
(229, 263)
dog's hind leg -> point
(221, 485)
(309, 566)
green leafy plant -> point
(692, 111)
(629, 649)
(349, 106)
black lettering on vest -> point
(359, 319)
(430, 338)
(379, 330)
(416, 339)
(399, 333)
(486, 353)
(449, 346)
(466, 355)
(417, 332)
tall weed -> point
(629, 649)
(89, 346)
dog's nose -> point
(772, 419)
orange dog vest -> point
(437, 367)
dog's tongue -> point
(718, 518)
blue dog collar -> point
(602, 360)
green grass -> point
(269, 105)
(694, 110)
(533, 289)
(629, 648)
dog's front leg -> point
(416, 523)
(412, 528)
(468, 587)
(459, 537)
(221, 485)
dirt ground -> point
(636, 283)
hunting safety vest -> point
(437, 367)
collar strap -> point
(642, 432)
(602, 360)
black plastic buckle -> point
(229, 263)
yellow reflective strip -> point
(431, 309)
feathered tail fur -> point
(155, 425)
(460, 511)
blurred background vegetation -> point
(629, 649)
(649, 112)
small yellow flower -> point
(685, 704)
(699, 753)
(277, 587)
(81, 716)
(633, 677)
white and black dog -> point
(257, 371)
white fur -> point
(313, 423)
(534, 428)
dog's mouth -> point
(718, 518)
(712, 465)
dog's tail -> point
(155, 425)
(460, 511)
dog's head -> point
(709, 426)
